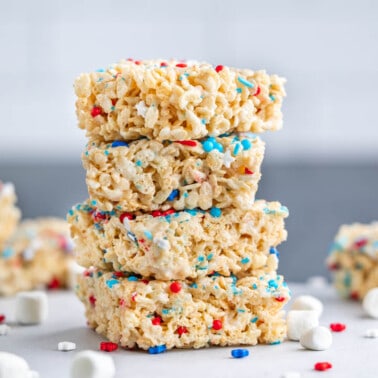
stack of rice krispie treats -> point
(179, 253)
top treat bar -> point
(176, 101)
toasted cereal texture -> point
(186, 244)
(127, 310)
(166, 102)
(9, 213)
(37, 255)
(354, 259)
(151, 175)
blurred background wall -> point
(323, 165)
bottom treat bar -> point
(354, 259)
(38, 254)
(213, 310)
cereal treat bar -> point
(353, 259)
(9, 213)
(176, 101)
(150, 175)
(158, 315)
(37, 255)
(179, 245)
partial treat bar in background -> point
(179, 245)
(38, 254)
(10, 214)
(150, 175)
(213, 310)
(353, 259)
(176, 101)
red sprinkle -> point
(247, 171)
(129, 216)
(190, 143)
(130, 59)
(175, 287)
(167, 212)
(337, 327)
(321, 366)
(96, 111)
(163, 64)
(156, 213)
(360, 243)
(181, 65)
(53, 284)
(181, 330)
(146, 282)
(137, 62)
(98, 216)
(114, 101)
(108, 346)
(156, 320)
(217, 324)
(87, 273)
(280, 299)
(2, 318)
(122, 302)
(118, 274)
(219, 68)
(334, 266)
(133, 296)
(354, 295)
(92, 300)
(258, 90)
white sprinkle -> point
(66, 346)
(90, 364)
(300, 321)
(31, 307)
(371, 333)
(126, 223)
(162, 243)
(141, 109)
(4, 329)
(370, 303)
(317, 338)
(307, 302)
(228, 159)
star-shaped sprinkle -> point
(227, 159)
(141, 109)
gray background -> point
(323, 165)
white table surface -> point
(351, 354)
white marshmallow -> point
(90, 364)
(317, 338)
(307, 302)
(4, 329)
(66, 346)
(371, 333)
(370, 303)
(31, 307)
(74, 270)
(291, 374)
(300, 321)
(14, 366)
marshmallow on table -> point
(13, 366)
(370, 303)
(307, 302)
(317, 338)
(31, 307)
(300, 321)
(90, 364)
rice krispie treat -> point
(9, 213)
(353, 259)
(150, 175)
(180, 245)
(38, 254)
(176, 101)
(213, 310)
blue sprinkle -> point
(119, 143)
(203, 121)
(210, 256)
(111, 283)
(148, 234)
(138, 163)
(245, 82)
(106, 152)
(208, 146)
(246, 144)
(100, 70)
(215, 212)
(94, 202)
(254, 286)
(272, 97)
(239, 353)
(254, 320)
(236, 149)
(275, 342)
(173, 195)
(157, 349)
(71, 213)
(240, 310)
(273, 283)
(274, 251)
(186, 195)
(218, 147)
(193, 285)
(132, 278)
(165, 311)
(245, 260)
(201, 258)
(347, 279)
(239, 90)
(7, 253)
(192, 212)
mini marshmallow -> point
(307, 302)
(74, 270)
(14, 366)
(66, 346)
(371, 333)
(370, 303)
(317, 338)
(4, 329)
(31, 307)
(90, 364)
(300, 321)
